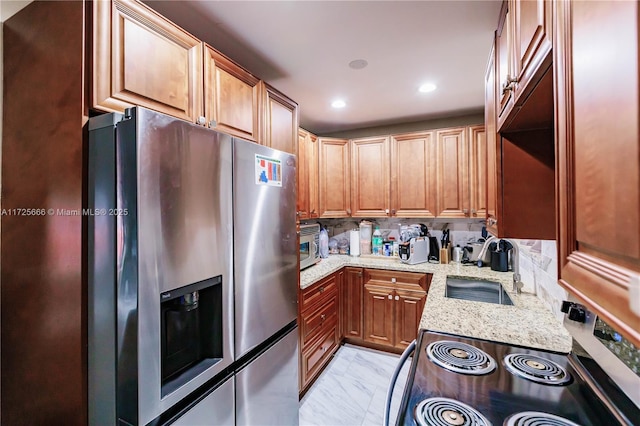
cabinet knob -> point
(349, 212)
(313, 211)
(397, 297)
(322, 317)
(466, 212)
(359, 274)
(297, 213)
(321, 289)
(213, 123)
(390, 297)
(393, 280)
(386, 211)
(474, 211)
(393, 212)
(201, 121)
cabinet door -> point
(452, 179)
(370, 177)
(504, 57)
(408, 313)
(413, 182)
(532, 37)
(477, 171)
(231, 96)
(334, 178)
(312, 176)
(598, 149)
(352, 302)
(302, 204)
(140, 58)
(491, 139)
(341, 303)
(280, 115)
(378, 314)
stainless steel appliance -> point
(415, 251)
(266, 284)
(309, 245)
(177, 215)
(456, 380)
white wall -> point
(539, 272)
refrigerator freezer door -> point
(216, 409)
(173, 177)
(265, 243)
(267, 388)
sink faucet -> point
(515, 265)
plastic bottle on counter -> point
(376, 242)
(324, 243)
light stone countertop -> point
(529, 322)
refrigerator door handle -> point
(394, 378)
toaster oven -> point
(309, 245)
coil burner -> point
(447, 412)
(535, 418)
(536, 369)
(460, 358)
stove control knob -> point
(577, 314)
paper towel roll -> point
(354, 243)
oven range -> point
(458, 380)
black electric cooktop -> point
(463, 381)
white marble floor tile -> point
(352, 389)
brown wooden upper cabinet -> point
(231, 96)
(477, 140)
(597, 127)
(491, 140)
(370, 177)
(280, 120)
(307, 175)
(334, 177)
(140, 58)
(523, 43)
(412, 179)
(452, 173)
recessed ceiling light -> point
(358, 64)
(338, 104)
(427, 87)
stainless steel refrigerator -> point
(191, 275)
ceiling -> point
(303, 49)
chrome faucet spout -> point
(515, 266)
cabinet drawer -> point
(313, 322)
(318, 353)
(397, 279)
(319, 292)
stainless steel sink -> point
(476, 290)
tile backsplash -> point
(539, 272)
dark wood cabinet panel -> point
(334, 178)
(130, 40)
(231, 96)
(279, 120)
(370, 177)
(353, 293)
(597, 127)
(491, 139)
(452, 165)
(413, 188)
(408, 313)
(477, 141)
(378, 315)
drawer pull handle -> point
(397, 297)
(390, 297)
(322, 317)
(393, 280)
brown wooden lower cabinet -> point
(370, 307)
(392, 311)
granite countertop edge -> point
(529, 322)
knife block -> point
(445, 255)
